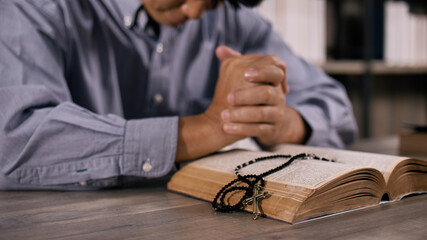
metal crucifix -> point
(254, 200)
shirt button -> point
(158, 98)
(159, 48)
(127, 21)
(147, 166)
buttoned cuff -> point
(150, 147)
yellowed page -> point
(306, 173)
(383, 163)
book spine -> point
(405, 35)
(400, 36)
(301, 24)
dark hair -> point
(235, 3)
(247, 3)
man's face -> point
(176, 12)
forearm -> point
(63, 146)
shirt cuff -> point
(321, 133)
(150, 147)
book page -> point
(307, 173)
(383, 163)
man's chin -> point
(177, 22)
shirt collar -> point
(141, 21)
(129, 8)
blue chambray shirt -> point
(86, 100)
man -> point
(89, 94)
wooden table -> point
(152, 212)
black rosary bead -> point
(251, 180)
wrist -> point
(200, 135)
(299, 130)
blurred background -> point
(376, 48)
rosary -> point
(253, 184)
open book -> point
(308, 188)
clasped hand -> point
(249, 98)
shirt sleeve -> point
(47, 141)
(321, 101)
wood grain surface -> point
(152, 212)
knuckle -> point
(265, 129)
(278, 62)
(282, 114)
(269, 94)
(282, 74)
(251, 59)
(235, 115)
(238, 97)
(257, 55)
(270, 57)
(274, 59)
(261, 128)
(262, 114)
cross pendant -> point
(254, 200)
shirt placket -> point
(160, 75)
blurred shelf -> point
(355, 67)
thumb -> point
(223, 52)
